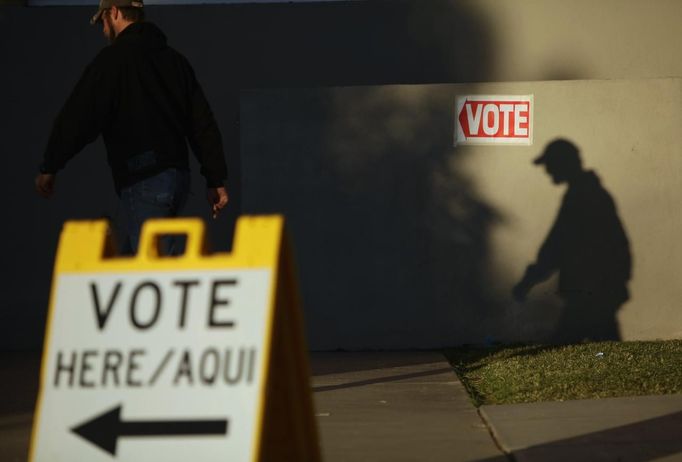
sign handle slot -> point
(153, 230)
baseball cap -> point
(106, 4)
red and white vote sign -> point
(494, 119)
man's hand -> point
(217, 198)
(45, 184)
(520, 291)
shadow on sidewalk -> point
(392, 378)
(340, 362)
(382, 367)
(639, 442)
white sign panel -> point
(494, 119)
(155, 366)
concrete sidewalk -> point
(409, 406)
(18, 390)
(397, 406)
(635, 429)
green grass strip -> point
(531, 373)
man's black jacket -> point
(144, 98)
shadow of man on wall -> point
(587, 246)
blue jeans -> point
(159, 196)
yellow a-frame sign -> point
(199, 357)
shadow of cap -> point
(559, 152)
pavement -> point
(398, 406)
(636, 429)
(409, 406)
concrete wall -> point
(43, 51)
(405, 241)
(580, 39)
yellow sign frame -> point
(286, 428)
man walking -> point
(144, 98)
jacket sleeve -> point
(83, 116)
(204, 135)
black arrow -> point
(105, 429)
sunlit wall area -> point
(412, 242)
